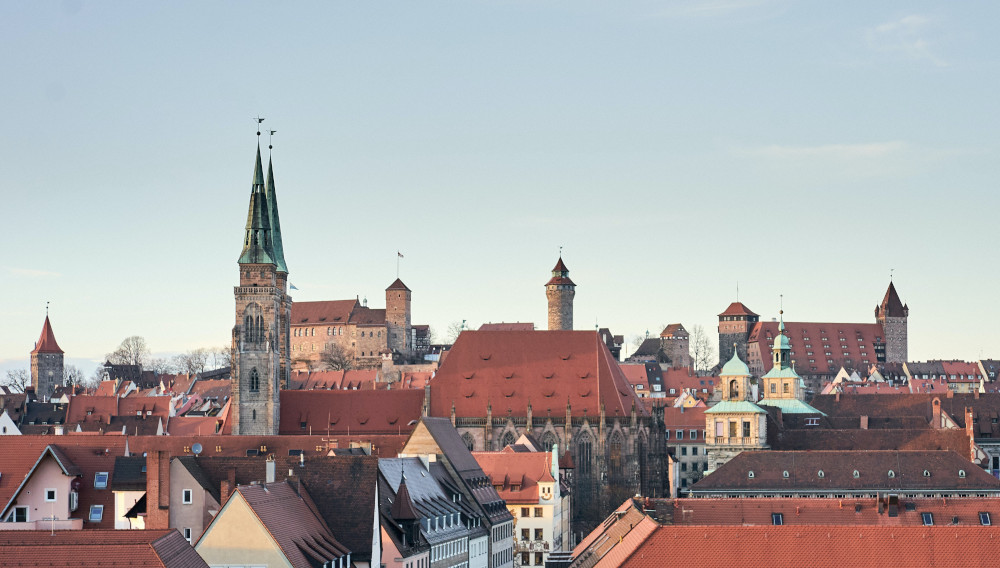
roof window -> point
(750, 474)
(984, 519)
(96, 513)
(857, 474)
(961, 473)
(784, 474)
(777, 519)
(101, 480)
(927, 473)
(892, 474)
(928, 519)
(820, 474)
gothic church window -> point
(584, 449)
(507, 440)
(254, 380)
(549, 439)
(615, 462)
(469, 441)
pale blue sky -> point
(672, 148)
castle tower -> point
(260, 336)
(397, 316)
(735, 325)
(892, 315)
(560, 291)
(46, 363)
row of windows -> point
(311, 332)
(692, 434)
(526, 534)
(526, 512)
(526, 559)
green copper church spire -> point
(272, 216)
(257, 240)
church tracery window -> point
(254, 380)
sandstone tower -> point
(46, 363)
(892, 315)
(560, 291)
(263, 311)
(397, 317)
(735, 325)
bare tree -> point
(702, 352)
(160, 366)
(72, 376)
(17, 380)
(455, 328)
(336, 358)
(132, 351)
(192, 362)
(220, 357)
(100, 374)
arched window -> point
(734, 389)
(469, 441)
(549, 439)
(254, 380)
(615, 460)
(507, 440)
(253, 324)
(584, 451)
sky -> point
(800, 151)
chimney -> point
(157, 490)
(864, 422)
(970, 431)
(951, 393)
(975, 393)
(837, 396)
(269, 476)
(936, 421)
(227, 486)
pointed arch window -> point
(507, 440)
(469, 441)
(254, 330)
(549, 439)
(584, 450)
(254, 380)
(615, 458)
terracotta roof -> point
(684, 379)
(330, 312)
(684, 418)
(945, 470)
(219, 389)
(857, 340)
(368, 316)
(636, 375)
(827, 546)
(560, 274)
(517, 474)
(350, 411)
(737, 309)
(329, 380)
(806, 438)
(291, 518)
(398, 285)
(918, 406)
(509, 369)
(516, 326)
(194, 425)
(98, 548)
(607, 535)
(891, 304)
(674, 329)
(47, 340)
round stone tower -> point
(560, 291)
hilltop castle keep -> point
(263, 311)
(819, 350)
(46, 363)
(560, 291)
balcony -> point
(735, 441)
(531, 546)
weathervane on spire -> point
(560, 251)
(890, 274)
(46, 309)
(270, 133)
(259, 120)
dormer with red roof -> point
(46, 363)
(892, 314)
(560, 291)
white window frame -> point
(187, 496)
(99, 484)
(99, 509)
(55, 495)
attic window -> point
(101, 480)
(927, 518)
(295, 452)
(750, 474)
(784, 474)
(892, 474)
(910, 506)
(857, 474)
(961, 473)
(777, 519)
(927, 473)
(251, 453)
(984, 519)
(820, 474)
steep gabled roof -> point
(398, 285)
(891, 305)
(737, 309)
(350, 411)
(47, 340)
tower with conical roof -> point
(560, 291)
(892, 315)
(263, 310)
(397, 317)
(46, 363)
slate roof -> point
(508, 369)
(129, 474)
(944, 473)
(674, 330)
(98, 548)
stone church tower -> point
(892, 315)
(397, 317)
(263, 312)
(46, 363)
(560, 291)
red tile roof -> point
(674, 329)
(687, 418)
(47, 341)
(194, 425)
(351, 411)
(818, 547)
(509, 369)
(684, 379)
(560, 274)
(515, 326)
(398, 285)
(331, 380)
(891, 304)
(737, 309)
(313, 313)
(851, 345)
(516, 473)
(636, 375)
(98, 548)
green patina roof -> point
(735, 367)
(790, 406)
(781, 373)
(272, 216)
(257, 238)
(728, 406)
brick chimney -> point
(936, 421)
(970, 431)
(157, 490)
(227, 486)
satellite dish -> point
(196, 448)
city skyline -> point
(658, 146)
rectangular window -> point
(101, 480)
(777, 519)
(693, 434)
(684, 466)
(928, 518)
(720, 428)
(18, 515)
(538, 559)
(984, 519)
(668, 434)
(525, 558)
(187, 534)
(525, 535)
(746, 429)
(539, 534)
(538, 512)
(50, 495)
(187, 497)
(684, 450)
(680, 434)
(96, 513)
(525, 512)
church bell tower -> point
(263, 311)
